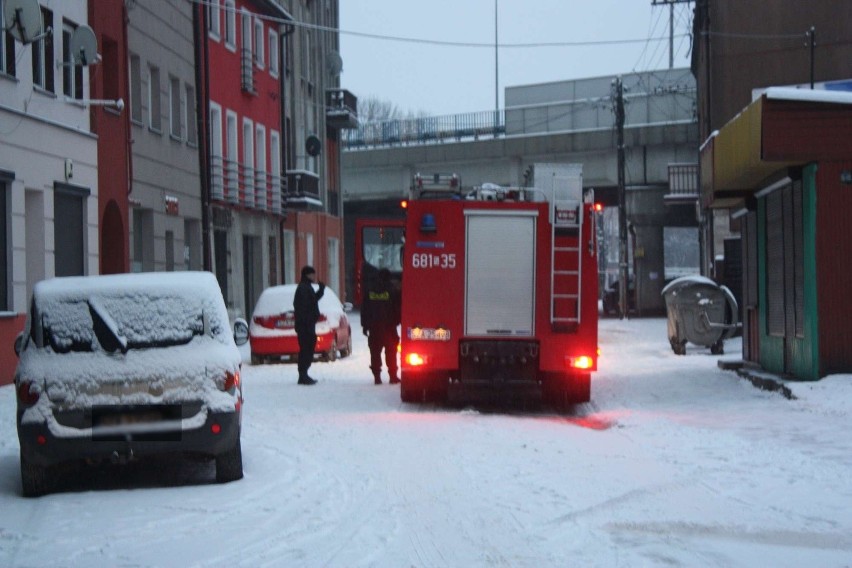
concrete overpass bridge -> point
(541, 125)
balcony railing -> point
(431, 129)
(683, 182)
(241, 185)
(341, 108)
(247, 70)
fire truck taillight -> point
(582, 362)
(598, 207)
(403, 204)
(415, 359)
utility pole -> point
(618, 87)
(671, 4)
(496, 75)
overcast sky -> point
(449, 79)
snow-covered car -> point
(272, 332)
(118, 367)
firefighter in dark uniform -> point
(306, 308)
(380, 314)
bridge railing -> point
(428, 129)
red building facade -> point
(109, 21)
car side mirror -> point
(241, 331)
(19, 344)
(347, 306)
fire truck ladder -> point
(566, 263)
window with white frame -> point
(135, 88)
(273, 53)
(260, 162)
(275, 166)
(259, 43)
(309, 246)
(155, 119)
(248, 160)
(214, 18)
(7, 45)
(191, 120)
(72, 73)
(216, 150)
(233, 159)
(42, 55)
(175, 118)
(230, 25)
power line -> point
(424, 41)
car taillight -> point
(266, 321)
(26, 394)
(582, 362)
(232, 381)
(415, 359)
(322, 318)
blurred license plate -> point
(428, 334)
(285, 323)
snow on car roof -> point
(279, 299)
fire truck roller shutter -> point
(500, 273)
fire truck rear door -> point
(500, 273)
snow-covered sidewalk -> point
(673, 462)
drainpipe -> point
(202, 111)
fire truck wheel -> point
(408, 394)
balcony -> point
(341, 109)
(247, 71)
(243, 186)
(302, 190)
(683, 183)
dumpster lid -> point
(688, 281)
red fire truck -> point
(499, 299)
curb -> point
(757, 377)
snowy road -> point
(673, 463)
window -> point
(273, 53)
(155, 120)
(135, 89)
(306, 57)
(143, 240)
(42, 52)
(275, 169)
(334, 263)
(246, 55)
(233, 158)
(260, 165)
(248, 160)
(191, 128)
(230, 25)
(259, 39)
(72, 73)
(309, 245)
(288, 252)
(175, 118)
(7, 45)
(216, 170)
(214, 18)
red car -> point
(272, 332)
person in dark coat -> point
(380, 314)
(306, 308)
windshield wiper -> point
(106, 328)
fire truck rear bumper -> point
(494, 391)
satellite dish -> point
(334, 63)
(313, 145)
(83, 46)
(23, 18)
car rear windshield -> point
(133, 321)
